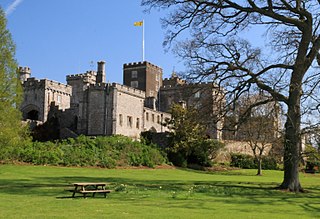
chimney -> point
(101, 74)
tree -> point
(189, 142)
(261, 128)
(311, 152)
(12, 130)
(217, 48)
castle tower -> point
(143, 76)
(101, 73)
(24, 73)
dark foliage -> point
(86, 151)
(248, 162)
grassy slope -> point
(38, 192)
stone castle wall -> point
(154, 120)
(38, 95)
(128, 110)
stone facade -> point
(90, 106)
(205, 97)
(39, 94)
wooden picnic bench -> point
(85, 188)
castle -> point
(88, 105)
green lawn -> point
(39, 192)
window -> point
(129, 121)
(152, 117)
(147, 116)
(59, 99)
(138, 123)
(158, 119)
(197, 94)
(134, 84)
(134, 74)
(120, 120)
(157, 77)
(197, 105)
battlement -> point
(25, 70)
(81, 75)
(33, 83)
(57, 86)
(171, 83)
(141, 64)
(99, 86)
(119, 87)
(129, 90)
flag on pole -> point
(138, 23)
(141, 24)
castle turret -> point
(24, 73)
(101, 73)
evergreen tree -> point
(190, 144)
(12, 131)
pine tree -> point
(12, 132)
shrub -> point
(40, 153)
(87, 151)
(246, 161)
(242, 161)
(204, 151)
(178, 159)
(269, 163)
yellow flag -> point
(138, 23)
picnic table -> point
(85, 188)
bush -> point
(204, 151)
(243, 161)
(246, 161)
(86, 151)
(269, 163)
(40, 153)
(199, 153)
(178, 159)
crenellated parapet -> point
(45, 84)
(58, 87)
(99, 86)
(141, 64)
(24, 70)
(88, 77)
(176, 82)
(34, 84)
(129, 90)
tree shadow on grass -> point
(48, 185)
(178, 193)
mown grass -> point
(39, 192)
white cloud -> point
(12, 6)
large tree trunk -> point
(292, 144)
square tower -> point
(143, 76)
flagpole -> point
(143, 40)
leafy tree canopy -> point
(11, 129)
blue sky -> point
(60, 37)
